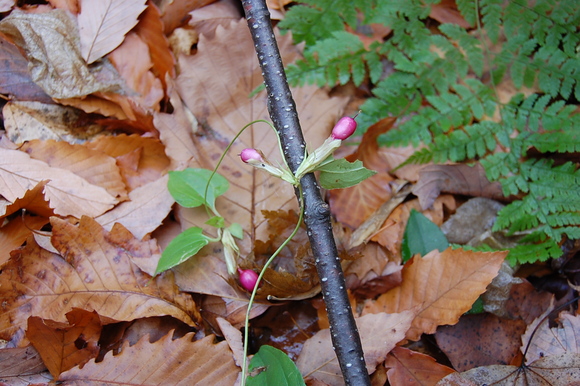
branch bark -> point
(282, 109)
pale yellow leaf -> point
(440, 287)
(103, 25)
(67, 193)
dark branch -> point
(345, 337)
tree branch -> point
(282, 109)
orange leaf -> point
(165, 362)
(439, 287)
(103, 25)
(408, 367)
(98, 274)
(379, 334)
(67, 193)
(63, 346)
(13, 234)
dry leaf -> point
(481, 340)
(175, 13)
(96, 167)
(18, 363)
(26, 121)
(51, 42)
(165, 362)
(409, 368)
(148, 205)
(206, 19)
(98, 274)
(553, 370)
(440, 287)
(232, 310)
(70, 5)
(446, 12)
(15, 78)
(33, 201)
(234, 338)
(545, 341)
(68, 194)
(379, 334)
(63, 346)
(103, 25)
(13, 234)
(6, 5)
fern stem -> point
(282, 109)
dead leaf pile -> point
(102, 100)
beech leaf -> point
(440, 287)
(103, 25)
(98, 274)
(274, 367)
(165, 362)
(410, 367)
(546, 341)
(340, 173)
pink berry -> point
(248, 279)
(344, 128)
(251, 155)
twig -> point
(344, 333)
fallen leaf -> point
(446, 12)
(15, 78)
(67, 193)
(103, 25)
(98, 274)
(553, 370)
(440, 287)
(6, 5)
(456, 179)
(175, 13)
(22, 366)
(70, 5)
(544, 341)
(33, 201)
(233, 310)
(165, 362)
(526, 303)
(467, 344)
(407, 367)
(13, 234)
(148, 205)
(27, 121)
(206, 19)
(96, 167)
(63, 346)
(379, 334)
(234, 338)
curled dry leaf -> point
(191, 363)
(406, 367)
(98, 274)
(67, 193)
(103, 25)
(33, 201)
(379, 334)
(440, 287)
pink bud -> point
(248, 279)
(344, 128)
(251, 155)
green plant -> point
(446, 80)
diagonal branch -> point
(345, 337)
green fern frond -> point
(530, 253)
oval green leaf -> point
(188, 187)
(273, 367)
(181, 248)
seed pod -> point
(248, 279)
(344, 128)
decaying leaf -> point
(22, 366)
(63, 346)
(165, 362)
(67, 193)
(407, 367)
(98, 274)
(440, 287)
(379, 334)
(103, 25)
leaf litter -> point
(86, 214)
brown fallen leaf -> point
(439, 287)
(96, 167)
(103, 25)
(165, 362)
(446, 12)
(206, 19)
(67, 193)
(544, 341)
(457, 179)
(70, 5)
(379, 334)
(481, 340)
(98, 274)
(175, 13)
(406, 368)
(553, 370)
(33, 201)
(22, 366)
(13, 234)
(63, 346)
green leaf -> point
(181, 248)
(216, 221)
(188, 187)
(236, 230)
(421, 236)
(275, 368)
(340, 174)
